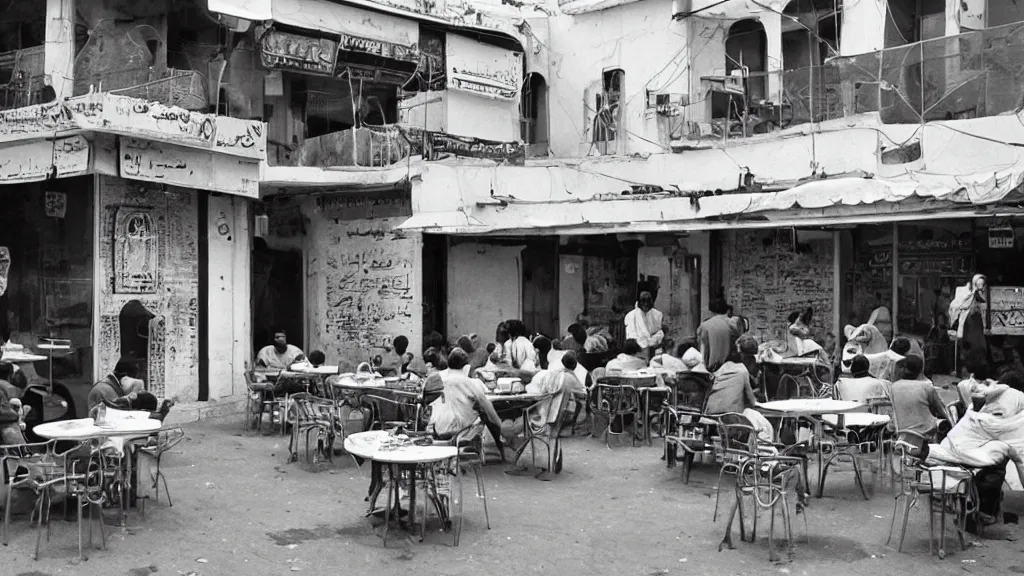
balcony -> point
(21, 72)
(970, 75)
(371, 147)
(183, 88)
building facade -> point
(127, 199)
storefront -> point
(129, 237)
(330, 268)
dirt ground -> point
(240, 509)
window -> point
(607, 110)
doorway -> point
(540, 287)
(277, 293)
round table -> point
(366, 445)
(129, 426)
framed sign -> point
(286, 51)
(440, 144)
(380, 48)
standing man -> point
(645, 325)
(714, 336)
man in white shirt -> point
(280, 355)
(462, 400)
(861, 385)
(645, 325)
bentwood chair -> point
(261, 399)
(155, 447)
(762, 474)
(619, 404)
(546, 434)
(684, 416)
(315, 418)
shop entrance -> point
(277, 295)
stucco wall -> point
(673, 297)
(766, 280)
(641, 39)
(175, 297)
(484, 287)
(229, 282)
(362, 283)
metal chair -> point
(546, 434)
(155, 447)
(763, 474)
(616, 402)
(41, 468)
(313, 417)
(844, 444)
(261, 398)
(406, 405)
(470, 443)
(949, 488)
(684, 414)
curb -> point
(197, 411)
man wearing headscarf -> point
(645, 325)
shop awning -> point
(255, 10)
(285, 179)
(441, 221)
(814, 204)
(324, 16)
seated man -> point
(915, 403)
(11, 409)
(279, 355)
(671, 357)
(123, 391)
(630, 360)
(731, 390)
(317, 358)
(555, 384)
(860, 385)
(462, 400)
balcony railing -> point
(182, 88)
(969, 75)
(21, 74)
(375, 147)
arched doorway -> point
(533, 115)
(746, 46)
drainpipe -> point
(59, 51)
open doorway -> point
(746, 55)
(533, 115)
(134, 320)
(277, 291)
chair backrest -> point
(692, 390)
(617, 398)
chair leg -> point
(860, 480)
(81, 553)
(40, 503)
(772, 556)
(7, 511)
(892, 523)
(787, 525)
(387, 508)
(718, 491)
(727, 539)
(482, 492)
(910, 502)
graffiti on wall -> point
(136, 258)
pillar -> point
(772, 22)
(59, 52)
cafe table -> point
(814, 410)
(121, 426)
(373, 446)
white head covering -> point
(694, 361)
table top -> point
(86, 429)
(810, 406)
(324, 370)
(524, 397)
(857, 419)
(18, 357)
(791, 360)
(366, 444)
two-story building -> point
(125, 229)
(780, 154)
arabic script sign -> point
(284, 51)
(380, 48)
(439, 144)
(44, 159)
(39, 119)
(481, 69)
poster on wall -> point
(285, 51)
(135, 252)
(483, 70)
(56, 204)
(1004, 311)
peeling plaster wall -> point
(176, 294)
(643, 40)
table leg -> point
(412, 499)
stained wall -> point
(174, 294)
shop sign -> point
(358, 73)
(380, 48)
(1005, 310)
(483, 70)
(347, 206)
(37, 120)
(1000, 237)
(44, 159)
(440, 144)
(187, 167)
(285, 51)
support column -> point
(772, 23)
(837, 284)
(895, 278)
(59, 52)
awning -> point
(441, 221)
(324, 16)
(280, 179)
(814, 204)
(255, 10)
